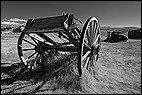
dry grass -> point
(118, 71)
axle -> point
(67, 48)
(60, 48)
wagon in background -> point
(115, 36)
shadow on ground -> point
(15, 73)
(38, 77)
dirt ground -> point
(118, 71)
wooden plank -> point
(49, 25)
(54, 30)
(45, 23)
(45, 30)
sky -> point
(109, 13)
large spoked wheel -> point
(32, 52)
(89, 46)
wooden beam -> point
(55, 30)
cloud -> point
(17, 19)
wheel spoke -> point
(89, 63)
(96, 40)
(95, 57)
(86, 63)
(97, 45)
(34, 40)
(29, 42)
(96, 31)
(91, 36)
(92, 61)
(27, 49)
(86, 54)
(92, 31)
(34, 63)
(88, 38)
(31, 55)
(87, 45)
(92, 64)
(94, 27)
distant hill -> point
(8, 25)
(125, 29)
(13, 22)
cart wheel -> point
(31, 51)
(89, 45)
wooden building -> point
(134, 34)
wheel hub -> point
(94, 49)
(39, 48)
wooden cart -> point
(36, 42)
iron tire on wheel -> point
(89, 45)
